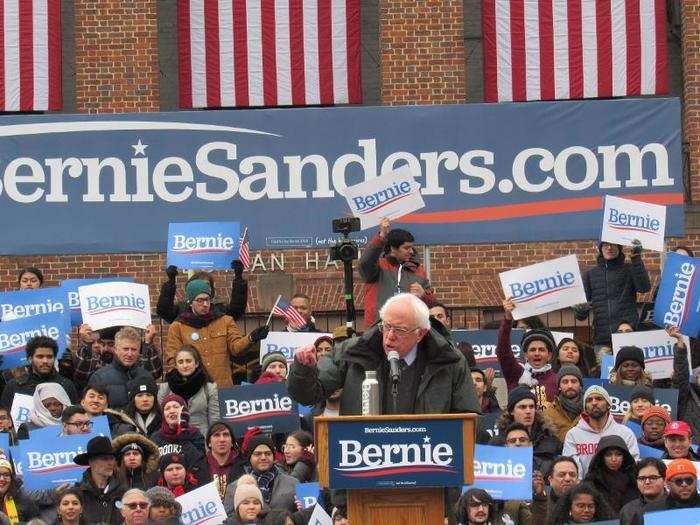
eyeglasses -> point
(5, 475)
(137, 504)
(649, 479)
(679, 482)
(202, 301)
(80, 424)
(398, 331)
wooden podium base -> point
(424, 506)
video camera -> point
(345, 250)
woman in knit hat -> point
(274, 368)
(14, 501)
(214, 335)
(654, 423)
(143, 407)
(629, 368)
(164, 509)
(176, 474)
(190, 380)
(247, 505)
(137, 457)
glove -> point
(171, 272)
(259, 333)
(237, 267)
(636, 247)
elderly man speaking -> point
(433, 379)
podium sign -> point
(414, 452)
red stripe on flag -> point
(54, 54)
(634, 48)
(517, 49)
(352, 29)
(546, 27)
(26, 56)
(211, 53)
(661, 52)
(575, 50)
(269, 52)
(605, 51)
(185, 62)
(488, 29)
(296, 48)
(240, 52)
(325, 52)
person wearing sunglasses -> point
(650, 474)
(682, 483)
(134, 507)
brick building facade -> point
(121, 57)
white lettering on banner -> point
(18, 341)
(354, 457)
(678, 305)
(489, 351)
(185, 244)
(236, 408)
(638, 222)
(619, 407)
(521, 292)
(29, 310)
(499, 471)
(97, 304)
(43, 462)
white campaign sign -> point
(391, 195)
(544, 287)
(115, 304)
(22, 405)
(657, 346)
(202, 506)
(320, 516)
(625, 220)
(558, 336)
(287, 342)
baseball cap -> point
(678, 428)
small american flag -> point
(287, 311)
(244, 249)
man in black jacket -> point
(41, 354)
(650, 482)
(682, 482)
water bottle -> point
(370, 394)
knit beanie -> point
(141, 386)
(656, 411)
(538, 334)
(131, 446)
(169, 459)
(196, 287)
(569, 370)
(271, 358)
(162, 497)
(596, 389)
(629, 353)
(253, 438)
(679, 467)
(185, 414)
(518, 394)
(642, 392)
(245, 491)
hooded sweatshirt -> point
(581, 442)
(619, 487)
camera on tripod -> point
(345, 250)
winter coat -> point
(304, 470)
(215, 342)
(168, 310)
(189, 443)
(380, 275)
(27, 385)
(445, 386)
(558, 419)
(616, 496)
(145, 476)
(120, 422)
(547, 387)
(581, 442)
(671, 503)
(114, 377)
(98, 505)
(203, 406)
(26, 508)
(632, 513)
(283, 493)
(223, 475)
(611, 290)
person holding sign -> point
(214, 335)
(14, 501)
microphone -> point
(395, 369)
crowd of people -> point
(167, 437)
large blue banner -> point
(407, 453)
(207, 245)
(504, 472)
(686, 516)
(76, 183)
(15, 334)
(678, 300)
(620, 397)
(25, 303)
(70, 289)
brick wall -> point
(691, 88)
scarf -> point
(11, 510)
(189, 318)
(527, 378)
(143, 424)
(572, 408)
(265, 480)
(40, 415)
(186, 387)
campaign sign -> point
(320, 517)
(287, 343)
(484, 346)
(22, 406)
(267, 406)
(504, 472)
(203, 245)
(202, 506)
(408, 453)
(308, 493)
(607, 363)
(391, 195)
(115, 304)
(558, 336)
(26, 303)
(489, 423)
(100, 427)
(620, 397)
(15, 334)
(544, 287)
(678, 299)
(649, 452)
(689, 516)
(70, 289)
(625, 220)
(657, 346)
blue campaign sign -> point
(606, 365)
(489, 423)
(267, 406)
(484, 346)
(70, 289)
(620, 397)
(307, 493)
(685, 516)
(26, 303)
(285, 171)
(15, 334)
(635, 428)
(649, 452)
(407, 453)
(203, 245)
(504, 472)
(678, 300)
(100, 427)
(5, 442)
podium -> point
(395, 468)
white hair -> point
(421, 313)
(136, 492)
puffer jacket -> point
(445, 386)
(281, 496)
(145, 476)
(98, 505)
(114, 378)
(611, 290)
